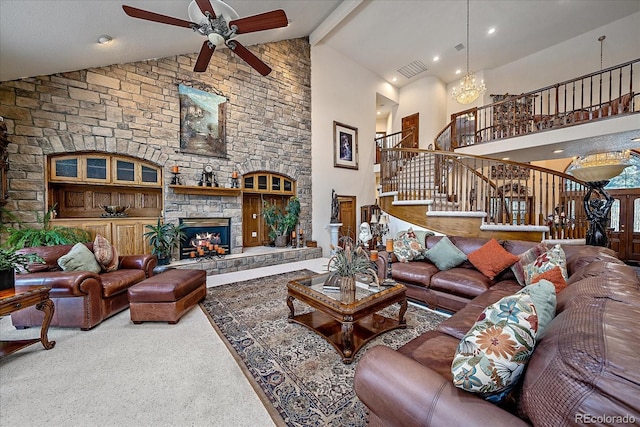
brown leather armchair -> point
(82, 299)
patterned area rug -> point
(298, 373)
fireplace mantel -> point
(209, 191)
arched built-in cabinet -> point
(80, 184)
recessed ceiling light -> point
(105, 39)
(491, 30)
(378, 112)
(505, 158)
(394, 79)
(436, 58)
(458, 71)
(558, 151)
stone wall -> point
(134, 109)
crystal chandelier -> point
(469, 91)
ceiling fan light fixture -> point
(216, 39)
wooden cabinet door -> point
(102, 228)
(127, 237)
(252, 221)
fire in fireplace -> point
(201, 231)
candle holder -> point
(294, 240)
(175, 180)
(234, 182)
(388, 281)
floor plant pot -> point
(7, 279)
(281, 241)
(347, 289)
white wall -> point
(341, 91)
(426, 97)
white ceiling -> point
(40, 37)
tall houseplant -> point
(163, 238)
(281, 223)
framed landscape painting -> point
(345, 146)
(202, 122)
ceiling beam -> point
(333, 20)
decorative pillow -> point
(491, 357)
(554, 276)
(105, 253)
(543, 295)
(407, 247)
(554, 257)
(527, 258)
(79, 258)
(445, 255)
(492, 258)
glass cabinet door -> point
(65, 169)
(150, 175)
(125, 172)
(97, 169)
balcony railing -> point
(507, 193)
(403, 139)
(595, 96)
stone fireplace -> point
(212, 230)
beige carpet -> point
(121, 374)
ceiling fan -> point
(219, 28)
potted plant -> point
(45, 235)
(163, 238)
(281, 224)
(9, 262)
(346, 263)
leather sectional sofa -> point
(583, 370)
(82, 299)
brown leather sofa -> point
(453, 289)
(82, 299)
(583, 370)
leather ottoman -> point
(168, 296)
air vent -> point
(459, 47)
(413, 69)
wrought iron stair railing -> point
(507, 194)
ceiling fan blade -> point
(249, 57)
(262, 21)
(156, 17)
(204, 57)
(205, 6)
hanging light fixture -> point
(469, 91)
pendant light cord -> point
(468, 48)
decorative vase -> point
(7, 279)
(347, 289)
(281, 241)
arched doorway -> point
(259, 187)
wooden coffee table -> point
(13, 300)
(347, 327)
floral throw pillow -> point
(491, 357)
(407, 247)
(527, 258)
(554, 257)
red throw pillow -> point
(491, 259)
(554, 276)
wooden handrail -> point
(508, 193)
(567, 103)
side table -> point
(13, 300)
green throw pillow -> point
(79, 258)
(543, 295)
(445, 255)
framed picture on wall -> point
(345, 146)
(202, 122)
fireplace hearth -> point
(214, 230)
